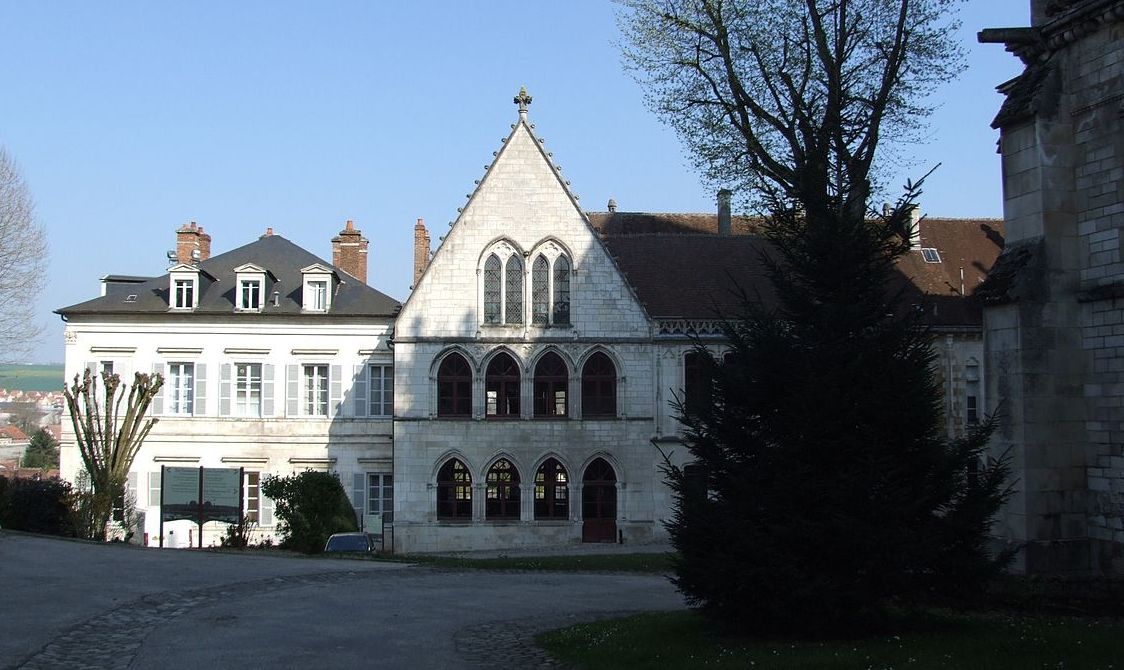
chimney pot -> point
(349, 251)
(192, 244)
(725, 224)
(421, 250)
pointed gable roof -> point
(523, 125)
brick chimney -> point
(724, 223)
(191, 238)
(349, 252)
(421, 249)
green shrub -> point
(310, 507)
(36, 506)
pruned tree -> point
(110, 428)
(822, 487)
(23, 252)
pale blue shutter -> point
(158, 400)
(358, 496)
(335, 389)
(154, 489)
(292, 394)
(131, 490)
(267, 390)
(265, 513)
(200, 408)
(224, 389)
(359, 391)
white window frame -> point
(315, 385)
(180, 277)
(180, 394)
(317, 288)
(251, 495)
(250, 294)
(245, 386)
(379, 489)
(380, 385)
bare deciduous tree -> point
(23, 252)
(109, 438)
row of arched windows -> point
(551, 387)
(503, 284)
(502, 490)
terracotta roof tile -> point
(693, 274)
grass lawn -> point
(976, 641)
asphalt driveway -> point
(81, 605)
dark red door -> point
(599, 503)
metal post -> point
(162, 506)
(201, 519)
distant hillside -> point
(31, 377)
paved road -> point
(80, 605)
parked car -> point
(352, 543)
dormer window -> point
(183, 290)
(250, 294)
(317, 294)
(250, 288)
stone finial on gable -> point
(522, 100)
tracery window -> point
(552, 384)
(550, 288)
(502, 491)
(513, 291)
(492, 290)
(454, 387)
(599, 387)
(454, 491)
(502, 286)
(552, 491)
(501, 386)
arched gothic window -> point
(492, 291)
(502, 491)
(454, 387)
(501, 385)
(454, 491)
(513, 291)
(552, 491)
(552, 387)
(599, 387)
(502, 285)
(550, 288)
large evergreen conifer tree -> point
(822, 487)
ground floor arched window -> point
(454, 491)
(502, 491)
(552, 491)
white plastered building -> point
(274, 360)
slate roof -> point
(692, 274)
(284, 261)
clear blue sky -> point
(129, 119)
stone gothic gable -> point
(520, 211)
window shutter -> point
(154, 489)
(131, 489)
(335, 389)
(224, 389)
(292, 394)
(200, 408)
(358, 495)
(265, 515)
(267, 390)
(359, 391)
(158, 401)
(92, 366)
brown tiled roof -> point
(695, 275)
(638, 223)
(13, 432)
